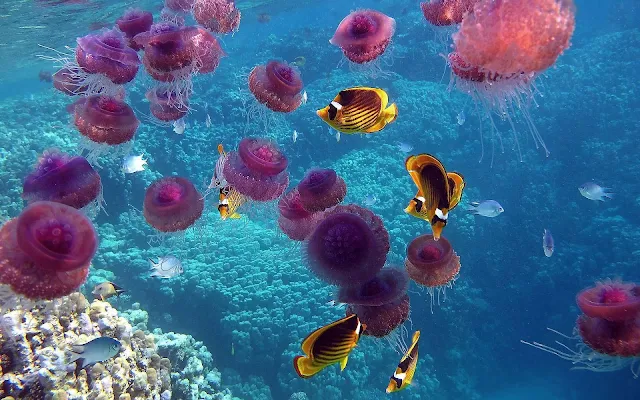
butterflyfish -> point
(438, 191)
(229, 202)
(359, 110)
(105, 290)
(403, 376)
(329, 345)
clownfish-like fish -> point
(329, 345)
(229, 202)
(403, 375)
(359, 110)
(438, 191)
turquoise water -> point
(246, 292)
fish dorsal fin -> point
(430, 177)
(456, 186)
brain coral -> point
(35, 339)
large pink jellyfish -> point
(446, 12)
(106, 120)
(296, 222)
(257, 170)
(207, 51)
(516, 36)
(45, 253)
(364, 35)
(381, 303)
(179, 5)
(166, 104)
(607, 335)
(172, 204)
(277, 85)
(168, 50)
(219, 16)
(348, 247)
(320, 189)
(63, 179)
(432, 264)
(133, 22)
(108, 53)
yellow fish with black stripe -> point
(329, 345)
(359, 110)
(438, 191)
(403, 375)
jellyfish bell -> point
(172, 204)
(321, 189)
(167, 47)
(348, 247)
(277, 85)
(364, 35)
(296, 222)
(218, 16)
(207, 51)
(384, 319)
(61, 178)
(45, 253)
(432, 263)
(108, 53)
(610, 300)
(179, 5)
(165, 104)
(446, 12)
(133, 22)
(257, 170)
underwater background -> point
(246, 297)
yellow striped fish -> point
(403, 376)
(359, 110)
(329, 345)
(438, 191)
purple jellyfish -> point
(320, 189)
(107, 53)
(296, 222)
(133, 22)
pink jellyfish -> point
(296, 222)
(321, 189)
(45, 253)
(219, 16)
(446, 12)
(107, 53)
(381, 303)
(277, 85)
(364, 35)
(348, 247)
(172, 204)
(167, 50)
(61, 178)
(257, 170)
(207, 51)
(179, 5)
(167, 105)
(133, 22)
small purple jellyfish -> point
(133, 22)
(320, 189)
(348, 247)
(107, 53)
(257, 170)
(61, 178)
(296, 222)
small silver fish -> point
(179, 126)
(337, 136)
(207, 122)
(370, 200)
(461, 118)
(133, 164)
(304, 97)
(404, 147)
(593, 191)
(105, 290)
(98, 350)
(547, 243)
(486, 208)
(295, 135)
(166, 267)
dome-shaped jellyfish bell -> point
(611, 324)
(45, 253)
(108, 53)
(348, 247)
(277, 85)
(133, 22)
(106, 120)
(172, 204)
(207, 51)
(63, 179)
(167, 105)
(320, 189)
(257, 169)
(364, 35)
(432, 263)
(219, 16)
(296, 222)
(167, 48)
(381, 303)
